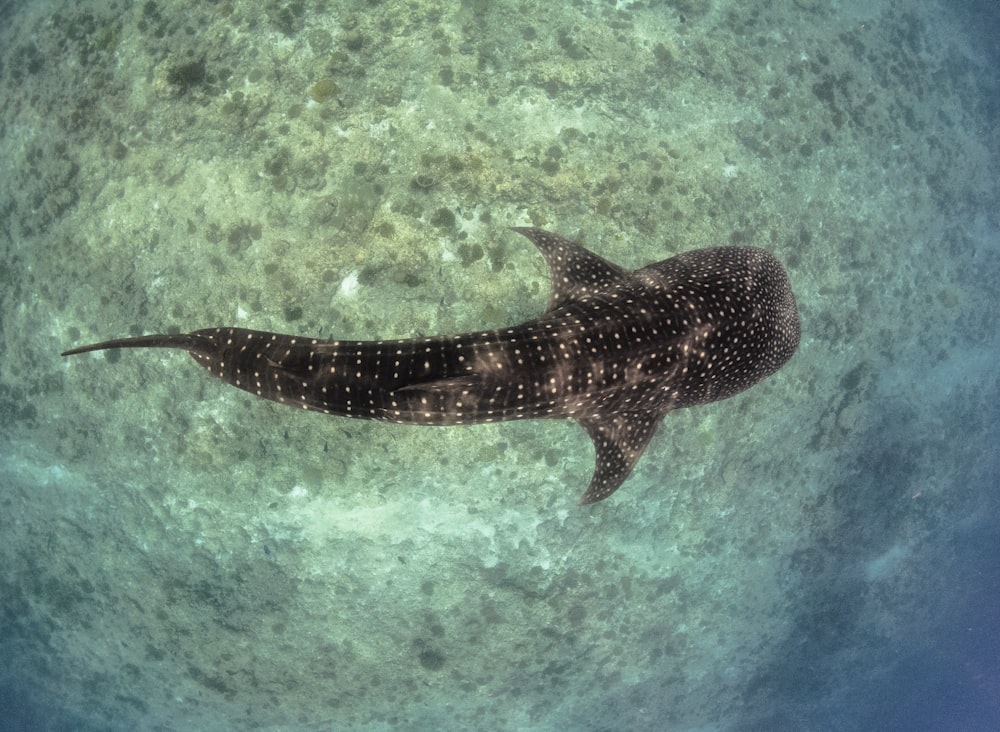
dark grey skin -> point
(616, 350)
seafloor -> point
(175, 554)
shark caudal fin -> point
(186, 341)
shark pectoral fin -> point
(619, 441)
(574, 271)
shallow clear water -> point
(816, 553)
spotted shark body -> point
(616, 350)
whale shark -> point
(616, 350)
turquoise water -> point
(818, 553)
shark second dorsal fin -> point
(574, 270)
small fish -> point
(616, 350)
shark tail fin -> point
(186, 341)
